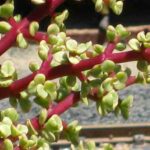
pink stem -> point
(60, 108)
(109, 49)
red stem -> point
(69, 69)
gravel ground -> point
(140, 112)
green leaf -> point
(110, 100)
(122, 31)
(71, 80)
(125, 105)
(135, 44)
(41, 91)
(22, 129)
(6, 10)
(42, 116)
(72, 46)
(4, 27)
(13, 101)
(5, 130)
(42, 102)
(33, 27)
(54, 124)
(39, 79)
(60, 57)
(21, 41)
(81, 48)
(53, 29)
(141, 36)
(62, 17)
(32, 87)
(25, 105)
(31, 130)
(8, 145)
(7, 69)
(74, 60)
(10, 113)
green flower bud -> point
(111, 33)
(43, 50)
(8, 145)
(98, 48)
(6, 10)
(107, 66)
(32, 87)
(99, 5)
(4, 27)
(141, 36)
(10, 113)
(142, 65)
(17, 18)
(33, 28)
(53, 29)
(120, 46)
(122, 76)
(42, 116)
(117, 7)
(39, 79)
(135, 44)
(62, 17)
(21, 41)
(34, 66)
(122, 31)
(7, 69)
